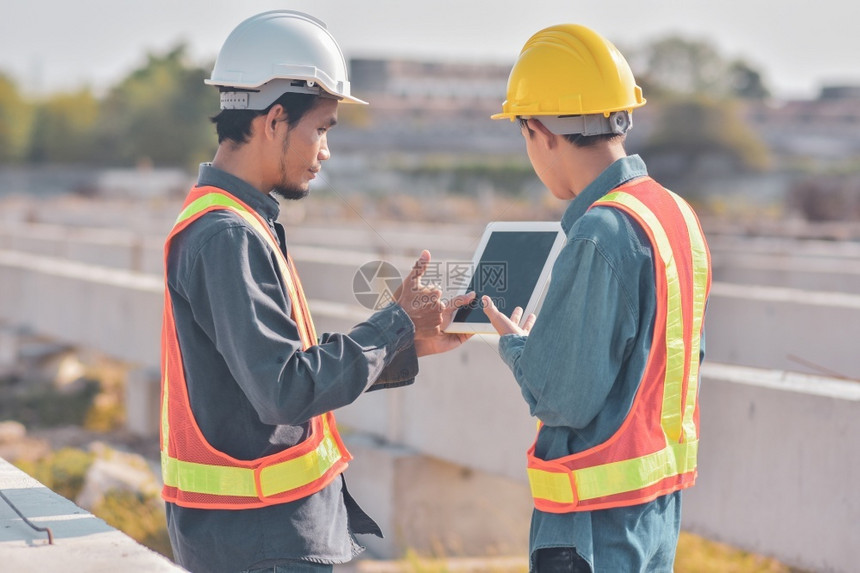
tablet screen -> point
(508, 271)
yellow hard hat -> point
(569, 70)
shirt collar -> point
(263, 203)
(621, 171)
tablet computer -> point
(511, 265)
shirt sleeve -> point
(401, 371)
(575, 352)
(238, 299)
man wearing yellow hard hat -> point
(611, 366)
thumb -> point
(490, 309)
(456, 304)
(500, 322)
(462, 300)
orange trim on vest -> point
(644, 436)
(198, 475)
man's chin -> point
(291, 193)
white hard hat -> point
(276, 52)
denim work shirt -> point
(580, 367)
(253, 389)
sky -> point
(57, 45)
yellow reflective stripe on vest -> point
(700, 293)
(165, 424)
(288, 475)
(554, 486)
(193, 477)
(675, 348)
(616, 477)
(202, 478)
(204, 201)
(221, 200)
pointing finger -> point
(419, 268)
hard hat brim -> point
(504, 115)
(260, 97)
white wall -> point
(779, 456)
(779, 466)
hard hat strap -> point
(617, 122)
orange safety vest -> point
(195, 473)
(654, 451)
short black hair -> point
(578, 139)
(235, 124)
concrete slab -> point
(778, 466)
(83, 543)
(811, 332)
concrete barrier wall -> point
(802, 264)
(786, 329)
(767, 270)
(116, 312)
(779, 459)
(807, 265)
(764, 327)
(783, 246)
(779, 466)
(794, 263)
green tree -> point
(698, 136)
(15, 118)
(679, 66)
(159, 114)
(747, 82)
(676, 66)
(64, 129)
(694, 94)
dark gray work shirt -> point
(253, 389)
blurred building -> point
(421, 107)
(407, 87)
(824, 129)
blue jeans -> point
(294, 567)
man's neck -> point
(587, 163)
(239, 161)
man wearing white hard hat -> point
(251, 457)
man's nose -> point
(324, 153)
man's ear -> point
(544, 135)
(275, 116)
